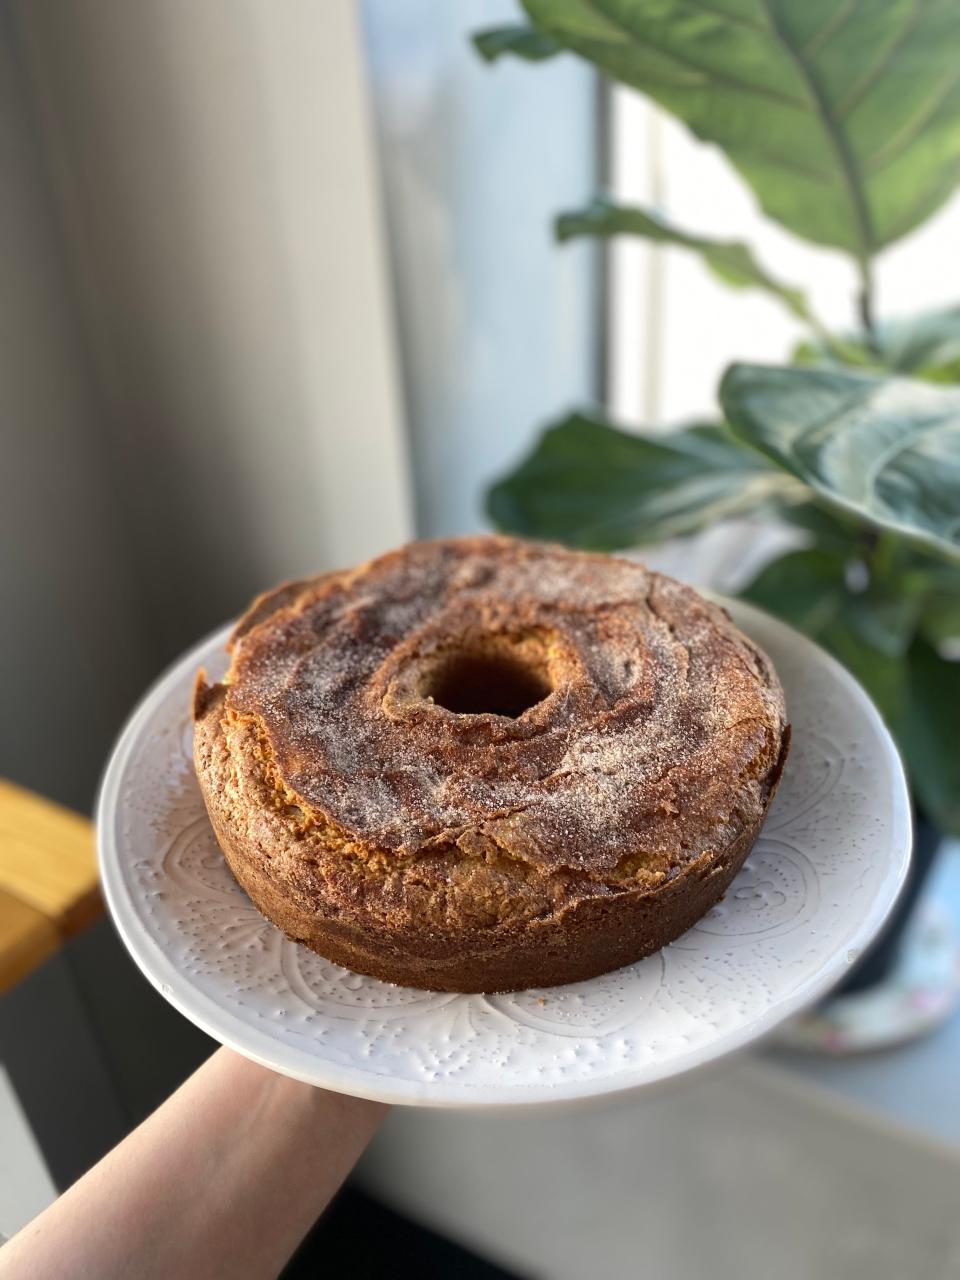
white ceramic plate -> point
(817, 886)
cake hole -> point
(474, 683)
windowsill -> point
(914, 1085)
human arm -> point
(225, 1178)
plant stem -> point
(834, 345)
(865, 300)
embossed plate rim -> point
(240, 1034)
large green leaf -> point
(814, 590)
(884, 449)
(806, 588)
(925, 346)
(883, 676)
(940, 620)
(919, 697)
(873, 633)
(809, 589)
(731, 260)
(829, 530)
(589, 484)
(939, 585)
(843, 115)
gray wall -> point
(74, 647)
(198, 376)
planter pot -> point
(878, 960)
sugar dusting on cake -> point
(613, 761)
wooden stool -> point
(48, 879)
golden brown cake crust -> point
(375, 806)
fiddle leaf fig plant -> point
(592, 485)
(925, 346)
(731, 261)
(844, 119)
(884, 451)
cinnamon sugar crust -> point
(485, 764)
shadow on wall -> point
(197, 366)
